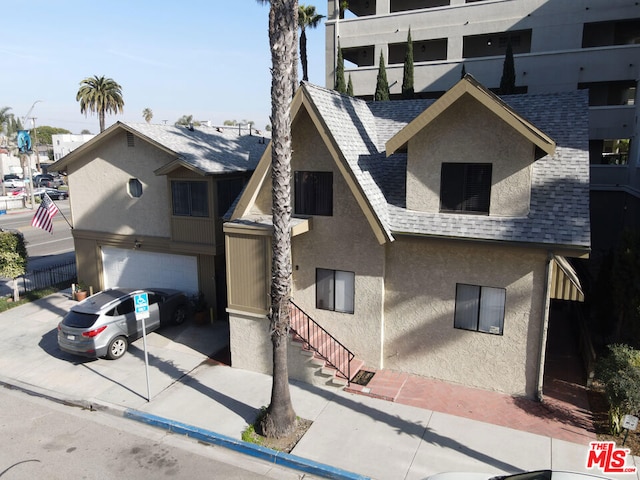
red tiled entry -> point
(563, 414)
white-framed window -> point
(480, 309)
(335, 290)
(134, 187)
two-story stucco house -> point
(147, 203)
(429, 236)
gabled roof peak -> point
(470, 86)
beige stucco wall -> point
(459, 135)
(420, 302)
(344, 241)
(405, 290)
(99, 196)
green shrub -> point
(619, 372)
(13, 254)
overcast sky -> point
(206, 58)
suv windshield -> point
(79, 320)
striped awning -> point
(565, 284)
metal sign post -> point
(629, 422)
(142, 312)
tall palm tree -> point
(280, 418)
(147, 114)
(100, 95)
(5, 120)
(307, 17)
(5, 117)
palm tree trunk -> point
(280, 418)
(101, 118)
(303, 55)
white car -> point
(14, 183)
(535, 475)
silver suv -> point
(104, 324)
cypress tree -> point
(407, 79)
(382, 86)
(350, 87)
(508, 80)
(340, 83)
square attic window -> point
(135, 188)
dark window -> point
(135, 188)
(406, 5)
(610, 93)
(228, 191)
(79, 320)
(480, 309)
(495, 44)
(359, 56)
(126, 307)
(313, 193)
(609, 151)
(335, 290)
(190, 198)
(617, 32)
(423, 51)
(465, 187)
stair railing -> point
(329, 348)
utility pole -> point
(35, 142)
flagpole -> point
(65, 218)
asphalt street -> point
(43, 248)
(44, 439)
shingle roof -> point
(211, 150)
(559, 209)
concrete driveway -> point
(30, 355)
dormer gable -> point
(470, 153)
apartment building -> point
(558, 45)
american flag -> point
(45, 213)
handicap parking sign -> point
(141, 301)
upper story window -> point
(359, 56)
(465, 187)
(617, 32)
(406, 5)
(609, 151)
(423, 51)
(228, 191)
(495, 44)
(610, 93)
(134, 187)
(313, 193)
(190, 198)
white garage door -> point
(139, 269)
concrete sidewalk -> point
(352, 436)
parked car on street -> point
(11, 180)
(47, 180)
(53, 193)
(104, 324)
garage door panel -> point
(139, 269)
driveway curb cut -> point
(263, 453)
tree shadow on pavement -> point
(178, 375)
(407, 427)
